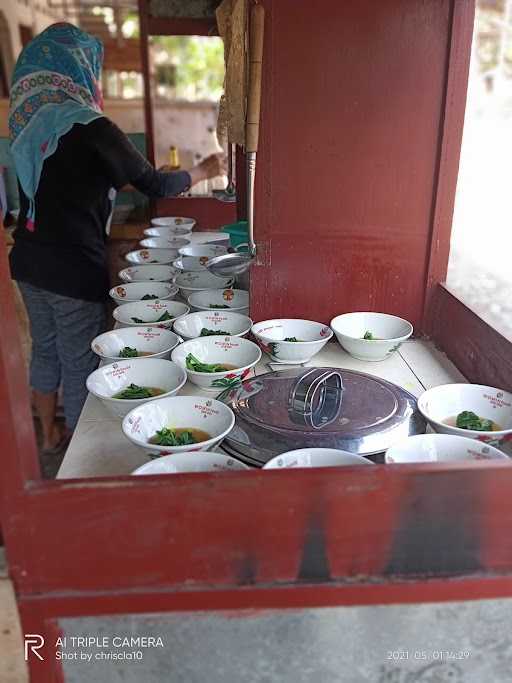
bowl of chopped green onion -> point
(168, 231)
(190, 282)
(149, 273)
(315, 457)
(152, 257)
(236, 300)
(164, 257)
(143, 291)
(371, 336)
(174, 222)
(196, 461)
(178, 424)
(194, 257)
(215, 363)
(135, 342)
(441, 448)
(153, 312)
(123, 385)
(473, 410)
(210, 323)
(168, 242)
(291, 340)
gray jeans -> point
(62, 329)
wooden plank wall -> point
(352, 123)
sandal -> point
(59, 446)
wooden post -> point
(146, 77)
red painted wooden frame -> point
(481, 353)
(360, 125)
(236, 540)
(209, 212)
(449, 155)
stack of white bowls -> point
(145, 315)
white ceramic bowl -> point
(109, 380)
(208, 237)
(168, 231)
(446, 401)
(271, 336)
(196, 257)
(164, 243)
(151, 256)
(178, 412)
(148, 273)
(174, 221)
(199, 461)
(155, 342)
(236, 300)
(190, 326)
(149, 312)
(389, 330)
(238, 352)
(315, 457)
(134, 291)
(441, 448)
(190, 282)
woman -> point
(68, 157)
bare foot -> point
(57, 437)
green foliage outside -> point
(490, 34)
(198, 66)
(194, 68)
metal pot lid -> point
(320, 408)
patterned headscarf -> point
(56, 83)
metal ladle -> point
(235, 264)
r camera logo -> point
(33, 643)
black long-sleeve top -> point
(66, 252)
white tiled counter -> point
(99, 448)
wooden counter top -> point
(100, 449)
(127, 231)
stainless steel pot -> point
(318, 408)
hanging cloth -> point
(232, 22)
(56, 83)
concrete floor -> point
(13, 668)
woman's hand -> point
(214, 165)
(211, 167)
